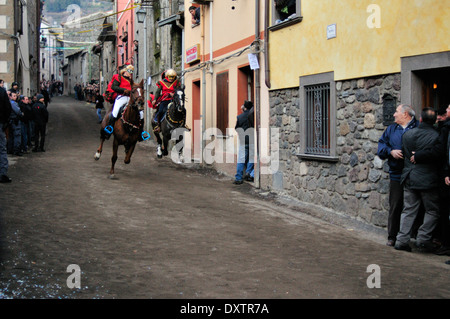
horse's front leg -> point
(165, 145)
(100, 148)
(129, 153)
(114, 158)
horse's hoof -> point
(97, 156)
(159, 156)
(112, 176)
(127, 162)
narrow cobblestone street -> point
(163, 230)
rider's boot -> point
(157, 128)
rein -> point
(123, 117)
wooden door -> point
(222, 102)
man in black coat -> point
(40, 115)
(420, 182)
(244, 128)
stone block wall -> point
(357, 185)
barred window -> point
(318, 119)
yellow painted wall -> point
(408, 28)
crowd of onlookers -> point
(417, 153)
(86, 92)
(26, 128)
(90, 93)
(23, 121)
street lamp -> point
(141, 15)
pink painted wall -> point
(125, 23)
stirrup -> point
(145, 135)
(109, 129)
(157, 129)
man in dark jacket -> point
(420, 182)
(441, 150)
(390, 148)
(40, 115)
(25, 107)
(244, 128)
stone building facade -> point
(356, 183)
(19, 43)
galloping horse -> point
(174, 118)
(126, 128)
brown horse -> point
(127, 128)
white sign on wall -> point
(331, 31)
(253, 59)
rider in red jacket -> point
(164, 93)
(122, 86)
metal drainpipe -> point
(203, 86)
(257, 98)
(266, 43)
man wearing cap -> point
(5, 111)
(122, 86)
(40, 115)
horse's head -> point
(179, 98)
(137, 95)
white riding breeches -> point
(121, 100)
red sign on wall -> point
(193, 54)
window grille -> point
(317, 119)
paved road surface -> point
(163, 230)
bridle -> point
(177, 100)
(140, 98)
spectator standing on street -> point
(5, 111)
(25, 108)
(442, 232)
(99, 105)
(390, 148)
(420, 182)
(44, 92)
(15, 130)
(40, 115)
(245, 132)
